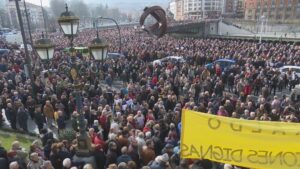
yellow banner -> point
(253, 144)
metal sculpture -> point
(158, 29)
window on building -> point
(282, 3)
(265, 9)
(298, 10)
(278, 17)
(273, 3)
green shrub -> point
(67, 134)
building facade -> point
(277, 10)
(240, 9)
(230, 7)
(176, 7)
(193, 9)
(196, 9)
(203, 9)
(35, 14)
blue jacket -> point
(123, 158)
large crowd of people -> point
(138, 125)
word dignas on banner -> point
(236, 156)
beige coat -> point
(48, 111)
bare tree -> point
(57, 7)
(79, 8)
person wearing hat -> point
(35, 162)
(160, 162)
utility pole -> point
(44, 18)
(28, 23)
(27, 57)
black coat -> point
(111, 157)
(39, 120)
(100, 159)
(11, 114)
(3, 153)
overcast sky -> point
(111, 3)
(130, 6)
(38, 2)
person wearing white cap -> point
(160, 162)
(67, 163)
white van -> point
(285, 69)
(173, 59)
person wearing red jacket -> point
(98, 141)
(247, 89)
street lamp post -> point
(28, 22)
(27, 57)
(220, 25)
(69, 24)
(43, 12)
(119, 31)
(262, 19)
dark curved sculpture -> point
(158, 29)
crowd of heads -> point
(138, 124)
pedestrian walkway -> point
(32, 127)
